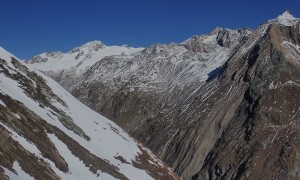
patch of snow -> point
(2, 103)
(29, 146)
(11, 174)
(272, 86)
(292, 46)
(21, 175)
(294, 51)
(22, 141)
(17, 115)
(77, 170)
(210, 39)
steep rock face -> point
(47, 134)
(262, 139)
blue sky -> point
(30, 27)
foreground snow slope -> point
(45, 133)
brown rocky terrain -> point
(262, 139)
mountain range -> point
(225, 105)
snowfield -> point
(80, 58)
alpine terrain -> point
(45, 133)
(220, 106)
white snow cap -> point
(286, 19)
(93, 43)
(90, 46)
(287, 15)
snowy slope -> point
(77, 61)
(81, 58)
(61, 119)
(69, 68)
(286, 19)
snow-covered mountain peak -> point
(94, 45)
(89, 47)
(286, 19)
(79, 60)
(287, 15)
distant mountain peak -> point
(286, 15)
(89, 46)
(286, 19)
(93, 45)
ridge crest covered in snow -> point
(286, 19)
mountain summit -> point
(287, 15)
(90, 46)
(286, 18)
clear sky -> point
(30, 27)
